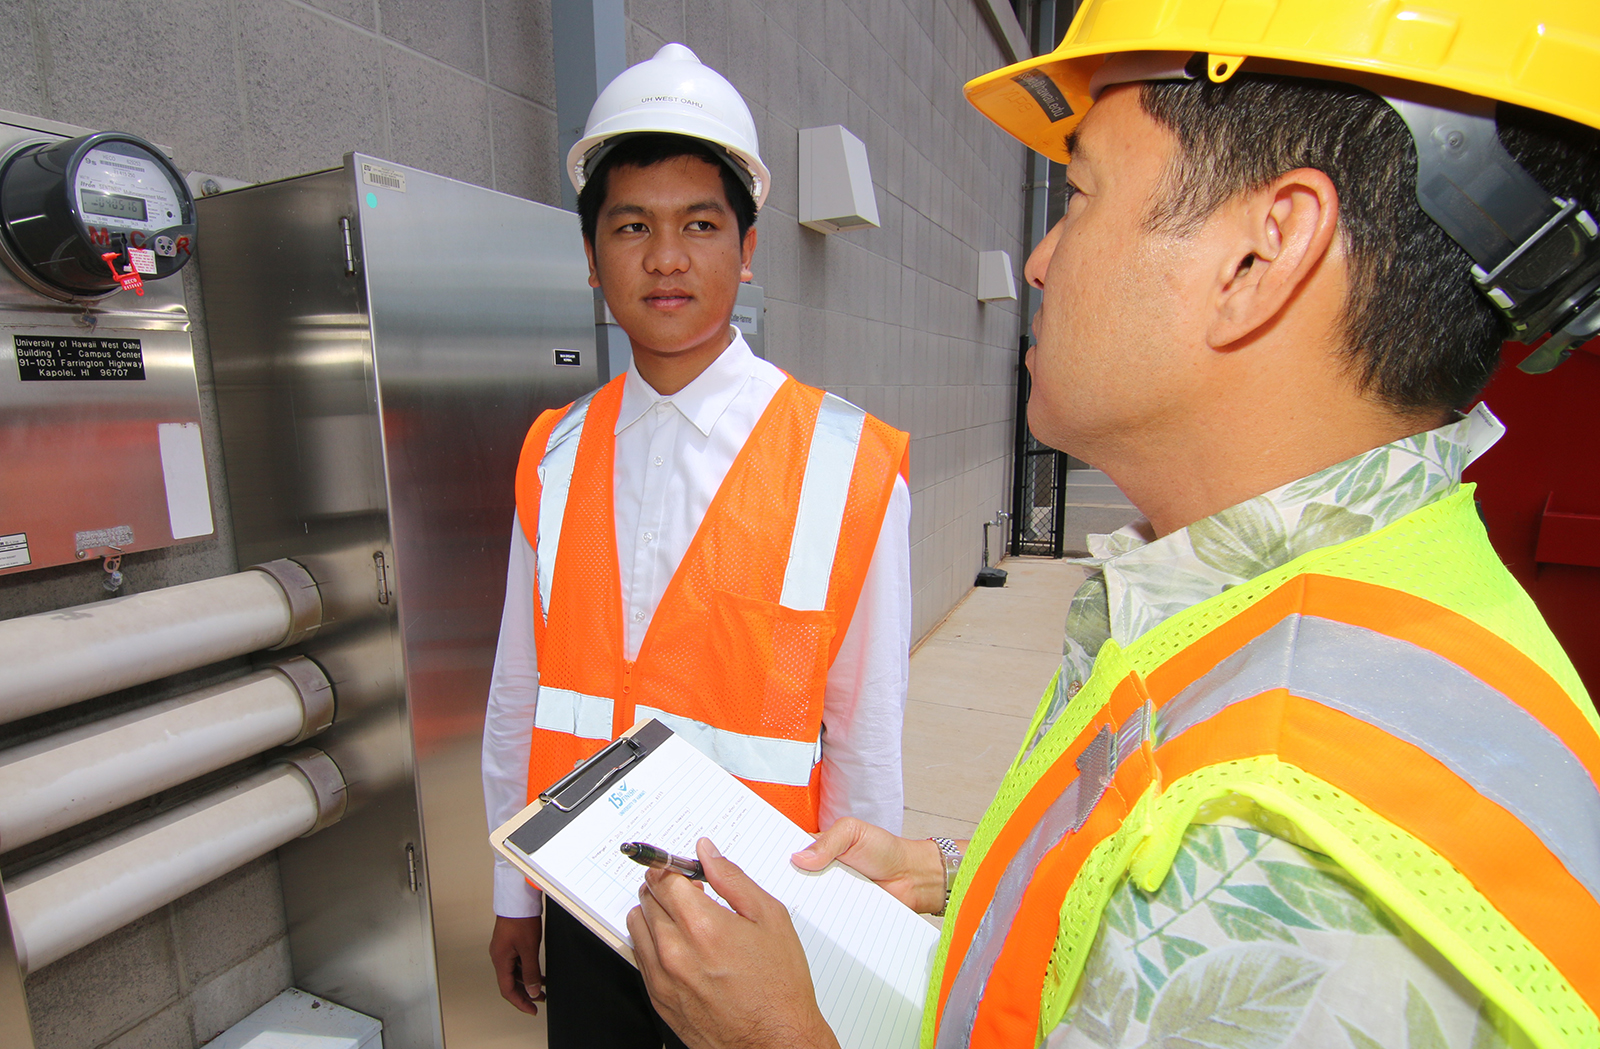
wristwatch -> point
(950, 853)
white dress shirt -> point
(672, 454)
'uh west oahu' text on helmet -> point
(1537, 258)
(673, 93)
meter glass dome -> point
(66, 206)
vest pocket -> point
(768, 666)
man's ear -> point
(747, 254)
(588, 251)
(1286, 229)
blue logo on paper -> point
(620, 797)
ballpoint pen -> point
(661, 859)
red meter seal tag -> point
(130, 279)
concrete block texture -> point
(363, 13)
(438, 118)
(705, 32)
(664, 18)
(235, 993)
(521, 57)
(167, 1029)
(451, 31)
(223, 924)
(22, 86)
(93, 995)
(526, 163)
(156, 69)
(312, 90)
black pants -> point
(594, 999)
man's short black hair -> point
(648, 149)
(1418, 332)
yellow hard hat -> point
(1542, 54)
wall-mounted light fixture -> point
(835, 181)
(995, 280)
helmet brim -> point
(1553, 73)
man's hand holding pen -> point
(724, 979)
(739, 979)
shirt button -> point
(638, 615)
(658, 460)
(649, 536)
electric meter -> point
(87, 216)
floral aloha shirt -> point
(1255, 940)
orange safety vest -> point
(737, 654)
(1397, 698)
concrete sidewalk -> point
(975, 682)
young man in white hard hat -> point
(703, 540)
(1314, 772)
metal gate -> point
(1039, 483)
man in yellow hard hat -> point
(1313, 772)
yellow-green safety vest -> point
(1396, 698)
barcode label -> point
(383, 178)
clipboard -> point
(869, 955)
(555, 808)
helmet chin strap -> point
(1536, 257)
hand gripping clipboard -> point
(869, 954)
(555, 808)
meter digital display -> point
(86, 216)
(112, 205)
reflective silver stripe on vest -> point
(563, 710)
(1067, 813)
(823, 492)
(555, 481)
(760, 758)
(1478, 732)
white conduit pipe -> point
(56, 658)
(60, 781)
(75, 899)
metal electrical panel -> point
(382, 339)
(100, 449)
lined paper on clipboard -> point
(869, 954)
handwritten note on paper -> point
(869, 954)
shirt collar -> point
(703, 401)
(1148, 580)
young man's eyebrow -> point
(620, 209)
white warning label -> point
(14, 550)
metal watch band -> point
(950, 853)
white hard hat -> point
(677, 94)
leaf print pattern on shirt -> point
(1423, 1030)
(1245, 998)
(1228, 953)
(1142, 582)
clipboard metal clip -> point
(622, 754)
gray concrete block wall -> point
(263, 89)
(888, 317)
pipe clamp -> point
(327, 782)
(316, 694)
(305, 600)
